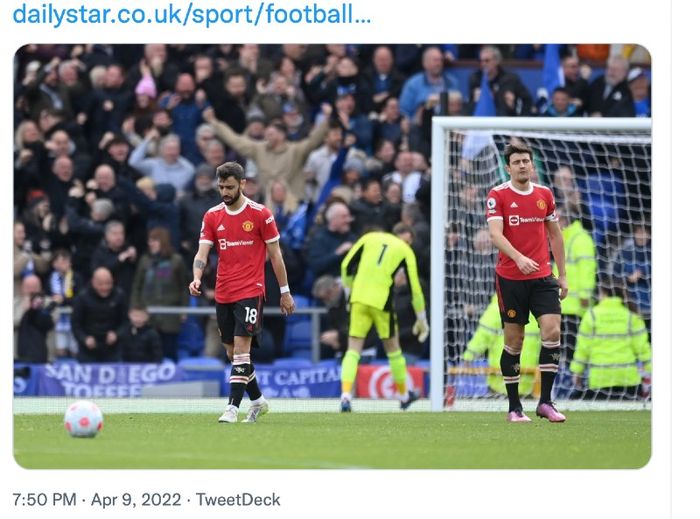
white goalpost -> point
(600, 172)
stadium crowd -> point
(114, 165)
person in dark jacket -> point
(160, 280)
(100, 317)
(610, 95)
(192, 207)
(141, 342)
(35, 324)
(510, 94)
(119, 256)
(327, 247)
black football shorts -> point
(518, 298)
(242, 318)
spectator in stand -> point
(58, 183)
(156, 205)
(328, 245)
(231, 106)
(45, 91)
(145, 102)
(116, 154)
(64, 285)
(334, 334)
(117, 255)
(271, 99)
(192, 207)
(207, 77)
(34, 323)
(391, 125)
(577, 87)
(511, 96)
(28, 155)
(25, 260)
(318, 166)
(275, 157)
(99, 319)
(185, 106)
(163, 71)
(383, 78)
(560, 105)
(160, 276)
(141, 342)
(405, 175)
(60, 144)
(369, 210)
(633, 264)
(38, 225)
(109, 105)
(610, 94)
(282, 204)
(354, 121)
(257, 68)
(382, 162)
(296, 121)
(169, 166)
(640, 87)
(86, 231)
(104, 185)
(431, 80)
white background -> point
(643, 493)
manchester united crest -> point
(247, 226)
(511, 313)
(541, 204)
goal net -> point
(600, 173)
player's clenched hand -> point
(287, 304)
(196, 288)
(421, 329)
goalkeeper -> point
(367, 271)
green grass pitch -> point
(416, 440)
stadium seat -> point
(298, 335)
(190, 342)
(293, 362)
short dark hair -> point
(401, 228)
(512, 149)
(230, 169)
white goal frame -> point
(438, 215)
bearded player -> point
(242, 231)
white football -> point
(83, 419)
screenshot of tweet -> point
(278, 258)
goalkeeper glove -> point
(421, 328)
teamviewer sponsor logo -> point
(513, 219)
(224, 244)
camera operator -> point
(35, 322)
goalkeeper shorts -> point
(362, 317)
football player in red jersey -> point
(523, 225)
(242, 231)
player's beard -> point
(231, 200)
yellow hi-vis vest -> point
(581, 268)
(612, 341)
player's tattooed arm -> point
(199, 264)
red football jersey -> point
(524, 214)
(240, 238)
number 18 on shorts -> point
(242, 318)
